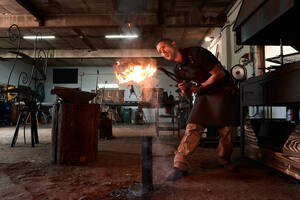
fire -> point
(134, 73)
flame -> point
(135, 73)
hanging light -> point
(33, 37)
(208, 39)
(129, 36)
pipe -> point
(169, 74)
(147, 180)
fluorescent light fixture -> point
(109, 85)
(33, 37)
(127, 36)
(208, 39)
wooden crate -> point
(286, 161)
(75, 133)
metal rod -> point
(169, 74)
(281, 52)
(147, 180)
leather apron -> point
(219, 105)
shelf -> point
(288, 58)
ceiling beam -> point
(85, 39)
(85, 53)
(179, 19)
(78, 20)
(21, 20)
(187, 19)
(32, 10)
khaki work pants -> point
(191, 139)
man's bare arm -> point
(217, 74)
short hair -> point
(166, 40)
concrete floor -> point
(27, 173)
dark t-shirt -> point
(197, 62)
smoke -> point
(128, 28)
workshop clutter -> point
(152, 95)
(105, 126)
(132, 116)
(114, 95)
(5, 114)
(139, 116)
(5, 107)
(109, 95)
(126, 115)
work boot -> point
(176, 174)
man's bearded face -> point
(166, 50)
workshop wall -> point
(87, 78)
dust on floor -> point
(27, 173)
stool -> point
(33, 122)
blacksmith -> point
(216, 103)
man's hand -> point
(194, 88)
(197, 89)
(186, 88)
(183, 87)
